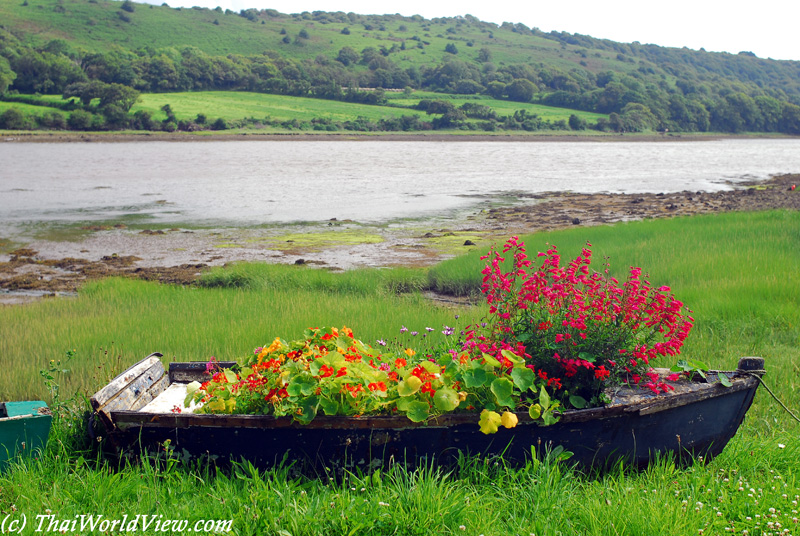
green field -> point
(738, 272)
(240, 105)
(502, 107)
(236, 105)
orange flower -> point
(410, 352)
(400, 362)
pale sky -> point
(767, 28)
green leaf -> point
(409, 387)
(191, 389)
(523, 377)
(489, 422)
(544, 399)
(404, 403)
(417, 411)
(446, 399)
(309, 410)
(230, 376)
(329, 406)
(502, 388)
(535, 411)
(474, 378)
(577, 401)
(432, 368)
(511, 356)
(491, 361)
(724, 380)
(586, 356)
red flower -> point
(325, 371)
(601, 373)
(342, 372)
(428, 388)
(400, 362)
(379, 386)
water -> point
(263, 182)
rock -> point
(300, 261)
(576, 221)
(469, 243)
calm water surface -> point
(254, 182)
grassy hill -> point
(47, 45)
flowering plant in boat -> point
(555, 337)
(582, 331)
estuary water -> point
(242, 183)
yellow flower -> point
(410, 352)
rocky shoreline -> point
(179, 256)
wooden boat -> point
(24, 428)
(697, 419)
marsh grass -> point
(115, 322)
(739, 272)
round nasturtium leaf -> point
(489, 421)
(502, 389)
(446, 399)
(417, 411)
(509, 420)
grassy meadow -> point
(738, 272)
(234, 106)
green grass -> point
(30, 110)
(235, 105)
(95, 26)
(502, 107)
(739, 272)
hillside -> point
(47, 45)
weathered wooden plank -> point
(121, 382)
(152, 393)
(185, 372)
(127, 396)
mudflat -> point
(180, 255)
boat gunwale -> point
(741, 380)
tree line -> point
(633, 100)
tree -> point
(496, 89)
(790, 119)
(347, 56)
(576, 123)
(80, 120)
(520, 90)
(637, 117)
(12, 119)
(7, 76)
(451, 48)
(484, 55)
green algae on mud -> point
(318, 240)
